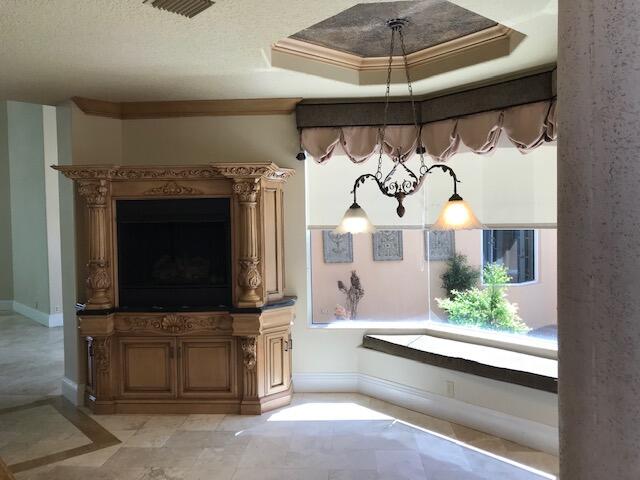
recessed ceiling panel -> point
(361, 30)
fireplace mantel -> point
(227, 359)
(268, 171)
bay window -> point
(406, 275)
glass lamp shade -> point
(456, 215)
(355, 220)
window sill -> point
(525, 345)
(489, 362)
(373, 325)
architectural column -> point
(99, 291)
(599, 239)
(249, 278)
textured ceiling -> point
(362, 29)
(124, 50)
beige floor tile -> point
(400, 464)
(354, 475)
(121, 422)
(281, 474)
(207, 473)
(202, 422)
(165, 422)
(152, 437)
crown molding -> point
(348, 60)
(186, 108)
(489, 43)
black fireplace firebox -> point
(174, 254)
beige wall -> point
(394, 290)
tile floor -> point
(319, 436)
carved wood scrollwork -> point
(95, 193)
(246, 191)
(175, 324)
(173, 188)
(101, 353)
(249, 352)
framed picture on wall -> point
(337, 248)
(387, 245)
(439, 245)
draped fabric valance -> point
(526, 126)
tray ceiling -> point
(361, 29)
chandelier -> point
(456, 213)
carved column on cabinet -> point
(249, 359)
(100, 348)
(249, 278)
(99, 285)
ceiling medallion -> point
(455, 215)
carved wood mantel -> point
(254, 187)
(162, 361)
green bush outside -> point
(459, 275)
(486, 307)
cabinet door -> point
(278, 361)
(148, 367)
(207, 368)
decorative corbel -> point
(249, 346)
(101, 348)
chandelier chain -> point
(423, 167)
(393, 185)
(386, 102)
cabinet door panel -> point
(148, 367)
(278, 361)
(207, 368)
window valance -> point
(526, 126)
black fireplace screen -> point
(174, 254)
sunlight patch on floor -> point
(313, 412)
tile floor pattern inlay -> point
(318, 437)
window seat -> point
(494, 363)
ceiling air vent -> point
(188, 8)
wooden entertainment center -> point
(230, 356)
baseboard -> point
(6, 305)
(325, 382)
(48, 320)
(525, 432)
(72, 391)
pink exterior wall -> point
(397, 290)
(393, 290)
